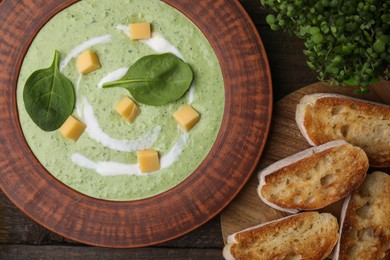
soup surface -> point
(103, 163)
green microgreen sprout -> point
(347, 41)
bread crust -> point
(366, 222)
(308, 235)
(313, 178)
(336, 250)
(323, 117)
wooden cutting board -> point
(284, 139)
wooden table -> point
(22, 238)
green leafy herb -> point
(156, 79)
(346, 41)
(49, 97)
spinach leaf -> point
(49, 97)
(156, 79)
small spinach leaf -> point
(49, 97)
(156, 79)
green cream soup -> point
(103, 163)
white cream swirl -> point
(109, 168)
(95, 132)
(160, 45)
(85, 111)
(85, 45)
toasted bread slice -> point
(308, 235)
(365, 228)
(326, 117)
(314, 178)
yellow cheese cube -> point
(148, 160)
(186, 117)
(87, 62)
(140, 31)
(72, 128)
(128, 109)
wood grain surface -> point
(285, 139)
(247, 115)
(66, 252)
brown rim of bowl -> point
(201, 196)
